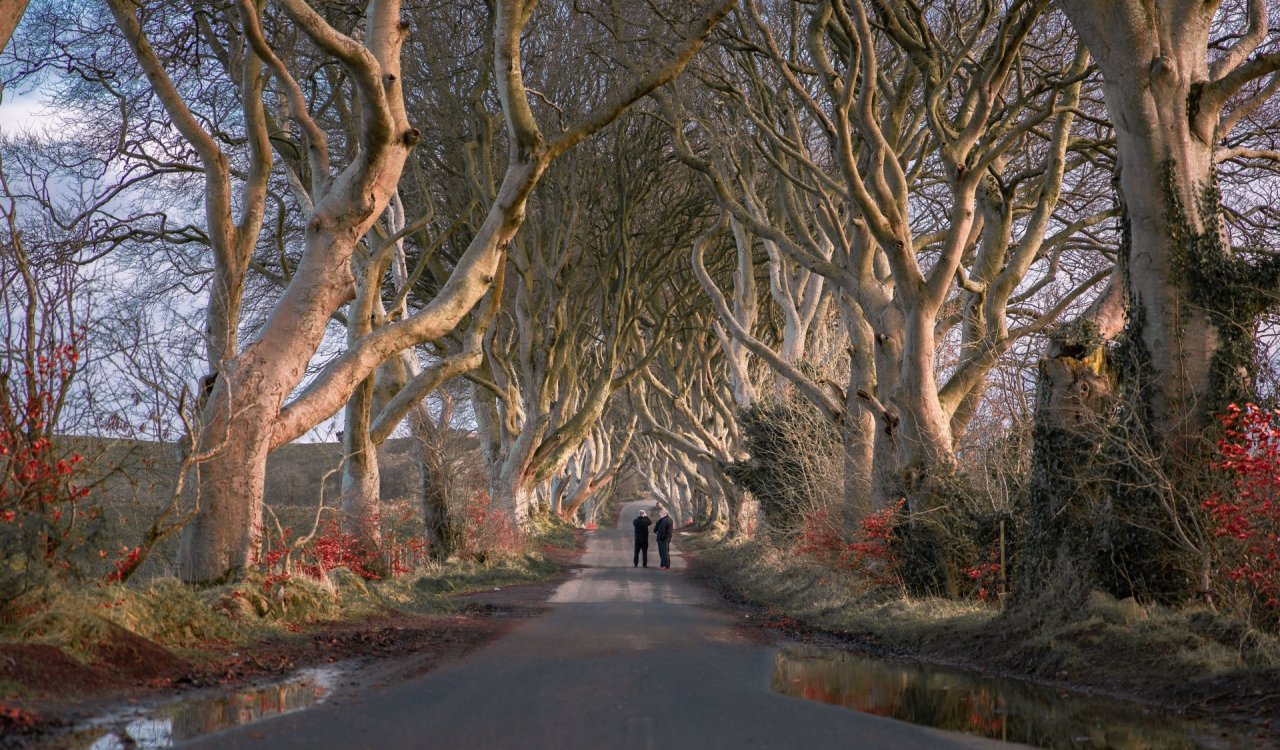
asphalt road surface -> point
(629, 658)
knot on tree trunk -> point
(1075, 380)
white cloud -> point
(23, 112)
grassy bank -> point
(1189, 657)
(192, 622)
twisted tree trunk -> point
(1187, 348)
(1167, 106)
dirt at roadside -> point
(50, 690)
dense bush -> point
(872, 555)
(328, 548)
(794, 469)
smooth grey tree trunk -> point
(1160, 92)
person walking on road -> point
(662, 532)
(642, 539)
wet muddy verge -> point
(165, 725)
(1003, 709)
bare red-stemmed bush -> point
(487, 532)
(125, 563)
(329, 547)
(41, 493)
(984, 577)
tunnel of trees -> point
(910, 284)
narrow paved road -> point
(629, 658)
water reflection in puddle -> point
(1001, 709)
(176, 722)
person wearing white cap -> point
(642, 539)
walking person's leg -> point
(635, 557)
(664, 552)
(644, 553)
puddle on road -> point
(170, 724)
(1002, 709)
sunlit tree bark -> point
(10, 15)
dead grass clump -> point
(236, 607)
(1144, 648)
(257, 601)
(1190, 640)
(923, 622)
(359, 598)
(171, 613)
(1108, 643)
(1102, 605)
(552, 531)
(247, 598)
(348, 585)
(71, 620)
(838, 600)
(302, 599)
(263, 601)
(1255, 648)
(83, 620)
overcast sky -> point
(21, 111)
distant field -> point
(134, 469)
(132, 480)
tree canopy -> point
(767, 261)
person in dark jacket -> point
(662, 532)
(642, 539)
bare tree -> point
(931, 200)
(247, 396)
(42, 519)
(1179, 78)
(593, 468)
(587, 308)
(1127, 391)
(690, 428)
